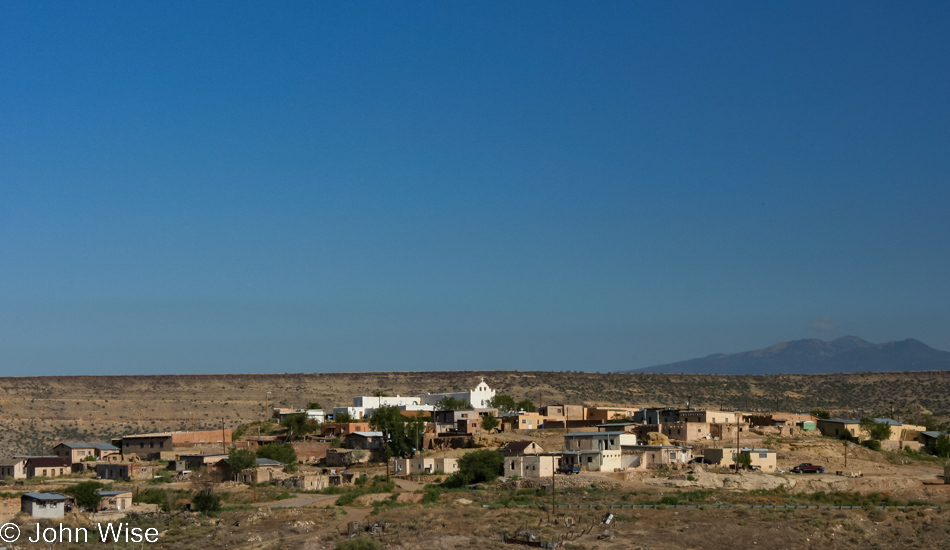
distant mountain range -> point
(846, 354)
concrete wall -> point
(43, 509)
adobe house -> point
(45, 505)
(195, 462)
(419, 465)
(835, 427)
(129, 470)
(521, 421)
(655, 456)
(687, 432)
(267, 470)
(532, 466)
(595, 451)
(711, 417)
(603, 414)
(114, 500)
(765, 459)
(46, 466)
(152, 445)
(14, 468)
(563, 412)
(78, 451)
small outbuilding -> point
(45, 505)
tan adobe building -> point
(114, 500)
(151, 445)
(13, 468)
(835, 427)
(46, 466)
(603, 414)
(644, 457)
(563, 412)
(420, 465)
(79, 451)
(764, 459)
(711, 417)
(532, 466)
(687, 432)
(521, 421)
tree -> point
(478, 467)
(314, 405)
(526, 405)
(878, 431)
(504, 403)
(206, 502)
(298, 424)
(85, 494)
(744, 460)
(941, 447)
(342, 418)
(401, 435)
(489, 422)
(241, 459)
(452, 404)
(278, 452)
(821, 413)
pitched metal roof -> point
(112, 493)
(89, 445)
(49, 497)
(368, 434)
(47, 462)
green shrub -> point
(361, 543)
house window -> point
(761, 455)
(44, 472)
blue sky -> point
(302, 186)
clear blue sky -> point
(330, 186)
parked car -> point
(808, 468)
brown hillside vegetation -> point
(38, 411)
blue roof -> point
(46, 496)
(111, 493)
(934, 435)
(90, 445)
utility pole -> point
(223, 442)
(553, 492)
(722, 396)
